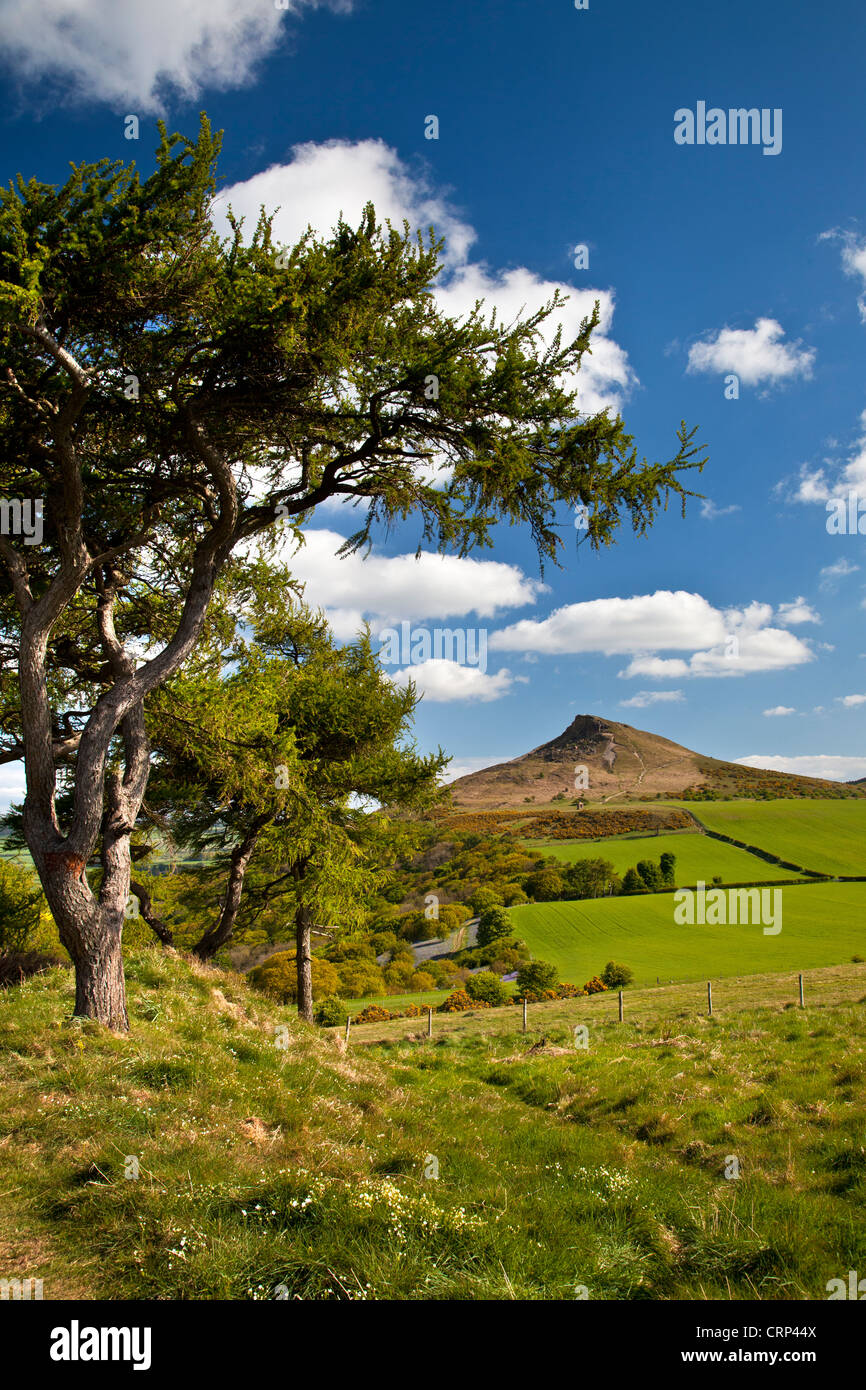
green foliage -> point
(278, 977)
(545, 885)
(483, 898)
(20, 905)
(651, 875)
(633, 882)
(535, 976)
(493, 923)
(668, 866)
(616, 976)
(330, 1012)
(487, 986)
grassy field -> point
(822, 924)
(298, 1171)
(827, 836)
(698, 856)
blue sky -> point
(556, 129)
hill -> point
(624, 763)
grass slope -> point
(298, 1171)
(827, 836)
(698, 856)
(822, 924)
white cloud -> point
(733, 642)
(341, 176)
(778, 710)
(853, 260)
(13, 785)
(834, 768)
(851, 701)
(605, 376)
(831, 573)
(443, 682)
(323, 180)
(755, 355)
(816, 484)
(792, 614)
(392, 588)
(462, 767)
(134, 55)
(710, 512)
(652, 697)
(644, 623)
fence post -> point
(710, 998)
(348, 1025)
(524, 1013)
(802, 1002)
(429, 1021)
(620, 1006)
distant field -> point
(829, 836)
(397, 1001)
(822, 924)
(698, 856)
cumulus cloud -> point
(828, 481)
(799, 611)
(136, 55)
(652, 697)
(756, 355)
(778, 710)
(851, 701)
(836, 768)
(320, 181)
(730, 642)
(393, 588)
(444, 682)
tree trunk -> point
(217, 936)
(100, 989)
(303, 927)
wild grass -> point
(273, 1163)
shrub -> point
(422, 981)
(331, 1012)
(493, 923)
(374, 1013)
(616, 976)
(487, 987)
(278, 977)
(594, 986)
(357, 978)
(483, 898)
(460, 1000)
(545, 885)
(535, 976)
(633, 883)
(20, 898)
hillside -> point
(271, 1171)
(624, 763)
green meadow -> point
(272, 1163)
(827, 836)
(698, 856)
(822, 924)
